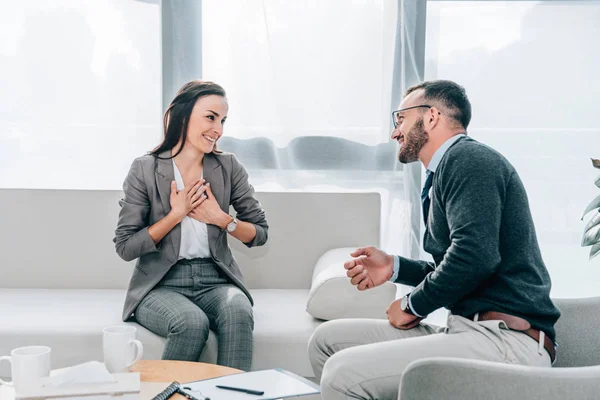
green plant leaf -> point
(592, 206)
(592, 222)
(592, 236)
(595, 162)
(595, 250)
(597, 181)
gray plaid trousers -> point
(192, 298)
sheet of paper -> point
(123, 383)
(276, 384)
(133, 396)
(89, 372)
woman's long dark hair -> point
(177, 116)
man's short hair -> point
(450, 95)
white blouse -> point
(194, 235)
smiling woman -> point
(174, 219)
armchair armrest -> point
(452, 378)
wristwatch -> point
(232, 225)
(404, 305)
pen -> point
(249, 391)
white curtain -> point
(80, 91)
(311, 94)
(409, 65)
(531, 71)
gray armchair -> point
(575, 374)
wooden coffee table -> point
(181, 371)
(156, 375)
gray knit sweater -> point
(481, 235)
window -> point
(309, 88)
(73, 75)
(293, 69)
(532, 76)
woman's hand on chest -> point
(209, 210)
(185, 200)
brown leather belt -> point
(518, 324)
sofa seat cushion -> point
(71, 321)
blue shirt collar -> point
(439, 153)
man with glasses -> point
(487, 270)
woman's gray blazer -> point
(147, 190)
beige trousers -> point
(365, 358)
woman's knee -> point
(236, 309)
(190, 323)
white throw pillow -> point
(332, 296)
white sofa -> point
(61, 281)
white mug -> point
(121, 349)
(28, 365)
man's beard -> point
(414, 141)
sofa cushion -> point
(70, 321)
(332, 295)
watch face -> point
(231, 226)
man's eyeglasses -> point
(396, 114)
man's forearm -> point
(412, 272)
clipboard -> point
(276, 383)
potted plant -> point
(591, 232)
